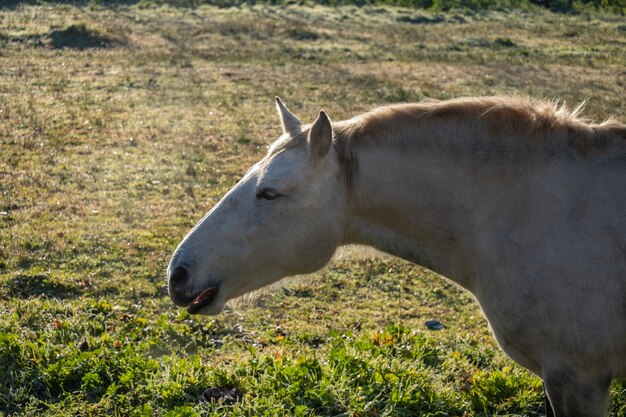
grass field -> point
(121, 126)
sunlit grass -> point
(120, 127)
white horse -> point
(522, 203)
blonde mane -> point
(500, 116)
(514, 118)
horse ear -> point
(290, 123)
(320, 136)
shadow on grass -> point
(26, 286)
(422, 20)
(79, 36)
(75, 36)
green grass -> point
(120, 127)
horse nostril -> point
(179, 276)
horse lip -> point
(181, 300)
(203, 299)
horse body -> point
(533, 225)
(540, 244)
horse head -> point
(283, 218)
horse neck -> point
(423, 204)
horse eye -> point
(267, 194)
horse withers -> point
(523, 203)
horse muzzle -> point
(184, 293)
(180, 288)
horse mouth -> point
(205, 298)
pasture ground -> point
(121, 126)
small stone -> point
(434, 325)
(224, 395)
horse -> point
(521, 202)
